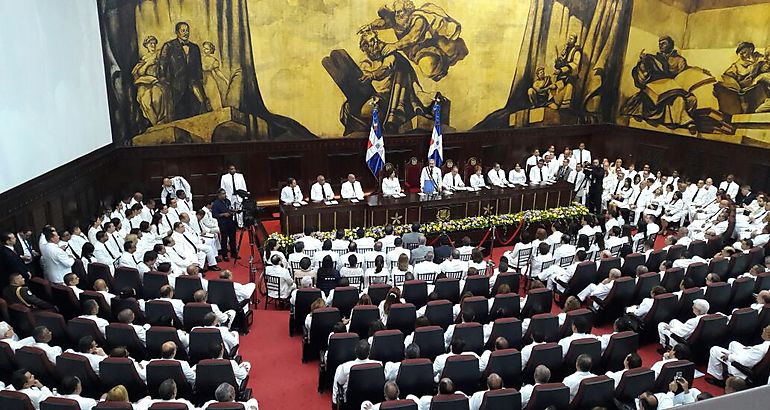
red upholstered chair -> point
(620, 345)
(317, 339)
(412, 171)
(210, 373)
(463, 370)
(644, 284)
(544, 324)
(157, 335)
(105, 310)
(501, 399)
(120, 370)
(548, 354)
(415, 376)
(128, 278)
(672, 278)
(366, 382)
(35, 360)
(398, 405)
(473, 335)
(506, 363)
(402, 317)
(594, 392)
(7, 363)
(669, 371)
(159, 371)
(122, 334)
(416, 292)
(59, 403)
(77, 365)
(360, 319)
(21, 319)
(342, 347)
(478, 305)
(431, 341)
(439, 312)
(506, 305)
(547, 395)
(79, 327)
(449, 402)
(193, 313)
(161, 313)
(152, 282)
(509, 328)
(113, 405)
(538, 301)
(387, 346)
(13, 400)
(633, 383)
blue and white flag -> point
(375, 149)
(436, 149)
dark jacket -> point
(23, 296)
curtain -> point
(602, 29)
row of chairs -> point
(13, 400)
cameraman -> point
(679, 393)
(595, 175)
(223, 211)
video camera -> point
(250, 209)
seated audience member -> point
(720, 359)
(70, 388)
(542, 375)
(581, 329)
(377, 274)
(391, 393)
(641, 310)
(679, 393)
(305, 283)
(286, 282)
(9, 337)
(621, 324)
(168, 352)
(601, 290)
(231, 339)
(167, 295)
(166, 394)
(678, 352)
(412, 351)
(326, 249)
(18, 292)
(420, 253)
(43, 337)
(342, 374)
(543, 256)
(117, 394)
(88, 348)
(226, 317)
(225, 393)
(23, 381)
(327, 275)
(240, 370)
(632, 361)
(454, 263)
(72, 280)
(343, 282)
(457, 347)
(243, 291)
(494, 382)
(700, 307)
(90, 311)
(352, 266)
(582, 371)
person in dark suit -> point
(18, 292)
(595, 175)
(25, 249)
(442, 251)
(181, 71)
(745, 196)
(10, 261)
(222, 210)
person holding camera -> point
(679, 393)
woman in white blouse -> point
(654, 205)
(674, 211)
(390, 185)
(477, 179)
(517, 176)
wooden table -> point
(378, 210)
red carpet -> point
(280, 380)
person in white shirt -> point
(539, 173)
(342, 374)
(496, 176)
(477, 179)
(426, 266)
(43, 337)
(225, 393)
(351, 189)
(287, 282)
(601, 290)
(494, 382)
(77, 240)
(720, 359)
(55, 261)
(321, 191)
(207, 245)
(643, 308)
(72, 280)
(453, 180)
(543, 256)
(168, 352)
(581, 329)
(291, 193)
(517, 175)
(390, 184)
(531, 160)
(431, 176)
(398, 250)
(679, 393)
(23, 381)
(88, 348)
(631, 361)
(189, 249)
(166, 293)
(454, 264)
(700, 308)
(166, 394)
(582, 371)
(457, 348)
(542, 375)
(128, 257)
(90, 312)
(8, 336)
(230, 338)
(232, 182)
(391, 393)
(581, 154)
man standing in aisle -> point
(223, 212)
(232, 182)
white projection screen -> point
(53, 99)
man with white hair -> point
(305, 283)
(8, 336)
(601, 290)
(700, 308)
(749, 356)
(225, 393)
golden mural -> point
(184, 71)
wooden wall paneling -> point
(281, 168)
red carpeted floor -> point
(280, 380)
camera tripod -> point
(252, 266)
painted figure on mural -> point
(749, 78)
(182, 72)
(541, 92)
(214, 82)
(427, 36)
(665, 84)
(567, 66)
(393, 79)
(151, 94)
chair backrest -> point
(402, 317)
(98, 270)
(762, 282)
(544, 324)
(22, 319)
(509, 328)
(77, 365)
(663, 309)
(669, 371)
(304, 298)
(720, 266)
(585, 274)
(619, 346)
(620, 296)
(538, 301)
(697, 271)
(512, 279)
(105, 310)
(478, 285)
(685, 302)
(121, 334)
(718, 295)
(387, 346)
(324, 320)
(365, 382)
(743, 325)
(128, 278)
(378, 292)
(479, 306)
(756, 256)
(120, 370)
(360, 319)
(672, 278)
(501, 399)
(633, 383)
(415, 376)
(644, 284)
(79, 327)
(398, 405)
(64, 298)
(185, 286)
(448, 288)
(547, 354)
(449, 402)
(209, 374)
(473, 335)
(709, 332)
(226, 406)
(59, 403)
(631, 262)
(464, 372)
(221, 292)
(159, 371)
(566, 328)
(113, 405)
(345, 297)
(506, 363)
(161, 313)
(342, 348)
(13, 400)
(697, 248)
(117, 304)
(594, 392)
(675, 252)
(157, 335)
(739, 264)
(56, 324)
(416, 292)
(152, 282)
(603, 271)
(654, 259)
(200, 340)
(546, 395)
(7, 362)
(431, 341)
(40, 287)
(742, 292)
(589, 346)
(505, 305)
(439, 312)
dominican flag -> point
(375, 149)
(436, 150)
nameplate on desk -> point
(399, 195)
(354, 200)
(296, 204)
(332, 202)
